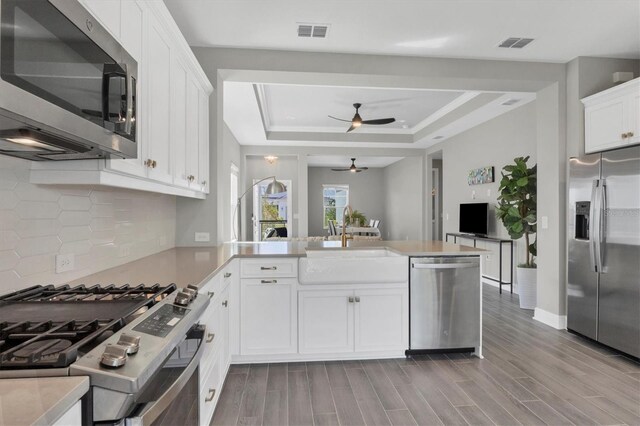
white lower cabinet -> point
(326, 321)
(216, 353)
(268, 316)
(381, 320)
(73, 416)
(342, 321)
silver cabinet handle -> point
(210, 337)
(444, 265)
(211, 294)
(225, 303)
(351, 300)
(630, 134)
(269, 281)
(357, 299)
(227, 274)
(624, 135)
(212, 394)
(204, 183)
(268, 268)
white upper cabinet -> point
(612, 117)
(158, 58)
(108, 13)
(172, 102)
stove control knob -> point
(182, 299)
(191, 292)
(114, 356)
(132, 343)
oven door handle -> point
(152, 410)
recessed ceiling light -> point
(430, 43)
(405, 126)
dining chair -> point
(332, 228)
(371, 222)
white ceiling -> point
(306, 108)
(296, 115)
(563, 29)
(345, 161)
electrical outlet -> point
(65, 262)
(124, 250)
(473, 194)
(202, 237)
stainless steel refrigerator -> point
(603, 291)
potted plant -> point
(357, 219)
(517, 211)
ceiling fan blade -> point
(351, 128)
(340, 170)
(339, 119)
(362, 168)
(379, 121)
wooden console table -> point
(498, 241)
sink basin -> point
(353, 266)
(350, 253)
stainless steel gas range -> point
(140, 347)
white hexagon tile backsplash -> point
(103, 227)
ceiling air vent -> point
(313, 30)
(515, 42)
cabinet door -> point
(268, 316)
(193, 130)
(326, 321)
(633, 114)
(604, 124)
(203, 139)
(381, 320)
(178, 122)
(158, 57)
(225, 354)
(108, 13)
(131, 37)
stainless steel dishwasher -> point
(444, 304)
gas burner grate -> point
(47, 326)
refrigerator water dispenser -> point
(582, 220)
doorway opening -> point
(272, 213)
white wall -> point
(494, 143)
(404, 199)
(203, 215)
(103, 227)
(366, 194)
(435, 73)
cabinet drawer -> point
(269, 268)
(214, 287)
(215, 334)
(210, 387)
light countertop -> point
(39, 401)
(195, 265)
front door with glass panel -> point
(272, 213)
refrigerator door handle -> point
(602, 224)
(593, 225)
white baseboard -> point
(559, 322)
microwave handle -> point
(128, 124)
(152, 410)
(110, 71)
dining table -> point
(364, 230)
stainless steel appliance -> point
(67, 87)
(603, 291)
(444, 303)
(140, 347)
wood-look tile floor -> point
(531, 375)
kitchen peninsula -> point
(269, 302)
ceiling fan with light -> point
(352, 169)
(357, 121)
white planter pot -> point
(527, 289)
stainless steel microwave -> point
(67, 87)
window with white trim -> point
(334, 200)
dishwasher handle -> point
(444, 265)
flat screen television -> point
(474, 218)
